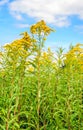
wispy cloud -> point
(17, 15)
(79, 28)
(2, 2)
(22, 25)
(56, 12)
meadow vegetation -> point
(40, 89)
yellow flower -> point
(49, 49)
(40, 27)
(1, 54)
(45, 55)
(3, 73)
(31, 69)
(54, 65)
(44, 38)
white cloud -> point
(2, 2)
(17, 15)
(56, 12)
(22, 25)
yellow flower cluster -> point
(1, 57)
(40, 28)
(31, 69)
(1, 54)
(24, 42)
(75, 56)
(19, 47)
(54, 65)
(2, 72)
(47, 56)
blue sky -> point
(65, 16)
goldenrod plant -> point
(40, 89)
